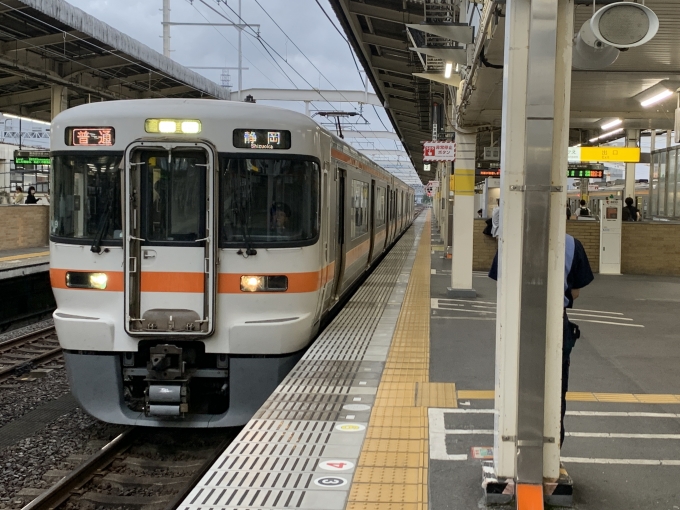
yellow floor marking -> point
(587, 396)
(392, 469)
(25, 256)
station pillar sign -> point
(610, 236)
(604, 153)
(439, 151)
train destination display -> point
(267, 139)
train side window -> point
(380, 207)
(359, 209)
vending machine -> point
(610, 236)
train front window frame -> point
(278, 196)
(86, 197)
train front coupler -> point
(167, 391)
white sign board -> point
(439, 151)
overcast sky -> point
(303, 22)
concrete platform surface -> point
(24, 261)
(623, 415)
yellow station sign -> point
(614, 154)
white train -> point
(197, 245)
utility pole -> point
(239, 26)
(240, 54)
(166, 28)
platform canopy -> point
(49, 44)
(377, 31)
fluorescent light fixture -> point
(611, 124)
(605, 135)
(12, 116)
(658, 97)
(448, 69)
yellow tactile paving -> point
(25, 256)
(392, 469)
(436, 395)
(587, 396)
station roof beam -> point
(53, 44)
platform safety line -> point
(25, 256)
(601, 435)
(631, 462)
(586, 396)
(613, 323)
(599, 414)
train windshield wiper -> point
(103, 226)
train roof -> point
(240, 113)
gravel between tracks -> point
(23, 464)
(19, 397)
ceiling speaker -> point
(590, 53)
(624, 24)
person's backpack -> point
(584, 211)
(629, 213)
(487, 230)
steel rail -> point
(38, 359)
(13, 342)
(63, 489)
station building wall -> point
(647, 248)
(23, 226)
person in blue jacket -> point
(577, 274)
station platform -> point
(392, 407)
(24, 261)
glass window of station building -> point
(664, 185)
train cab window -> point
(268, 201)
(359, 209)
(174, 192)
(380, 206)
(86, 191)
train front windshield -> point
(268, 201)
(86, 192)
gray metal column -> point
(59, 99)
(632, 140)
(536, 97)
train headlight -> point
(83, 280)
(264, 283)
(172, 126)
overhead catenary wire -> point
(264, 42)
(230, 43)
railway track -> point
(22, 354)
(142, 468)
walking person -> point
(19, 196)
(630, 212)
(30, 199)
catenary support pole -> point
(632, 140)
(166, 28)
(463, 217)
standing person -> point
(19, 196)
(496, 219)
(583, 210)
(568, 212)
(577, 274)
(630, 212)
(30, 199)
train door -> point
(169, 240)
(371, 222)
(326, 235)
(388, 215)
(340, 212)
